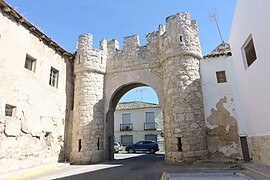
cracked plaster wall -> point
(219, 108)
(34, 134)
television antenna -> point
(141, 92)
(214, 16)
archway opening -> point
(135, 115)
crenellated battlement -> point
(90, 59)
(131, 43)
(169, 62)
(178, 37)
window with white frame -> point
(54, 74)
(149, 117)
(126, 122)
(126, 118)
(149, 121)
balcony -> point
(150, 126)
(126, 127)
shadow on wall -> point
(69, 113)
(89, 137)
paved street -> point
(146, 167)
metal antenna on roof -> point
(141, 90)
(213, 16)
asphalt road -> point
(141, 167)
(137, 167)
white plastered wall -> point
(251, 18)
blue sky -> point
(65, 20)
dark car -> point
(146, 145)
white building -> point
(136, 121)
(250, 49)
(218, 83)
(236, 86)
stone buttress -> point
(183, 105)
(88, 125)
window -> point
(48, 139)
(179, 144)
(152, 137)
(30, 63)
(9, 110)
(126, 118)
(221, 77)
(126, 122)
(150, 123)
(126, 140)
(54, 77)
(249, 51)
(181, 41)
(149, 116)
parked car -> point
(147, 145)
(117, 147)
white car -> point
(117, 147)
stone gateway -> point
(56, 105)
(169, 63)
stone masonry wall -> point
(88, 117)
(34, 134)
(183, 106)
(184, 123)
(172, 53)
(259, 148)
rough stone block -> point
(13, 127)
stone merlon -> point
(131, 42)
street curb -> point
(163, 176)
(257, 172)
(20, 176)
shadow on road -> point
(147, 167)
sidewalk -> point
(258, 168)
(23, 173)
(252, 167)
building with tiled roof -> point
(136, 121)
(136, 105)
(223, 49)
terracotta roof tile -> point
(136, 105)
(223, 49)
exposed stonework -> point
(259, 148)
(20, 149)
(222, 136)
(34, 133)
(88, 117)
(169, 63)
